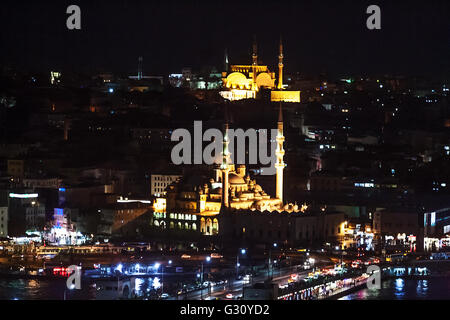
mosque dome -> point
(217, 190)
(235, 179)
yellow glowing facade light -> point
(237, 94)
(54, 77)
(285, 96)
(159, 205)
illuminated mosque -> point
(245, 81)
(195, 202)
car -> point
(185, 256)
(164, 296)
(216, 256)
(229, 296)
(356, 263)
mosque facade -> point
(195, 203)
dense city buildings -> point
(342, 151)
(160, 182)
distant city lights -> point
(23, 195)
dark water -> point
(400, 289)
(42, 289)
(395, 289)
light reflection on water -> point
(422, 289)
(41, 289)
(23, 289)
(55, 289)
(398, 289)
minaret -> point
(224, 167)
(140, 73)
(280, 67)
(225, 61)
(279, 165)
(255, 52)
(255, 63)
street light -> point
(118, 271)
(243, 252)
(270, 260)
(119, 268)
(208, 259)
(156, 266)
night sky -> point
(319, 36)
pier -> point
(332, 288)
